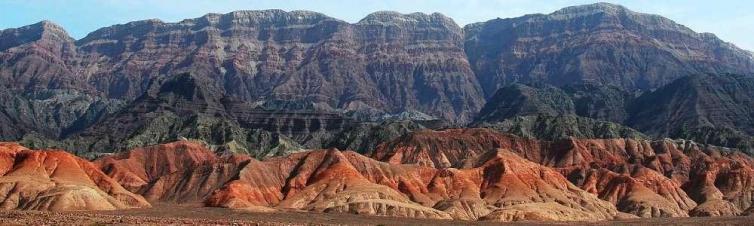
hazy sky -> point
(731, 20)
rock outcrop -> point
(38, 57)
(521, 100)
(602, 43)
(321, 181)
(714, 109)
(51, 113)
(174, 172)
(448, 148)
(464, 174)
(549, 127)
(409, 62)
(707, 108)
(57, 180)
(186, 106)
(550, 113)
(499, 184)
(662, 178)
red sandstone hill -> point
(468, 174)
(179, 172)
(500, 187)
(57, 180)
(663, 178)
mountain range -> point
(269, 78)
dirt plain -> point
(173, 214)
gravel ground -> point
(167, 214)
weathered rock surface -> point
(322, 181)
(38, 56)
(448, 148)
(549, 127)
(602, 43)
(662, 178)
(518, 100)
(334, 181)
(598, 101)
(712, 109)
(50, 113)
(550, 113)
(410, 62)
(56, 180)
(716, 109)
(422, 63)
(365, 137)
(468, 174)
(177, 172)
(185, 106)
(538, 212)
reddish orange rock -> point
(57, 180)
(469, 174)
(334, 181)
(450, 148)
(663, 178)
(180, 171)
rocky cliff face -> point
(38, 56)
(388, 61)
(309, 77)
(602, 43)
(548, 127)
(185, 107)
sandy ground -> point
(162, 214)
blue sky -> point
(731, 20)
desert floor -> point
(191, 214)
